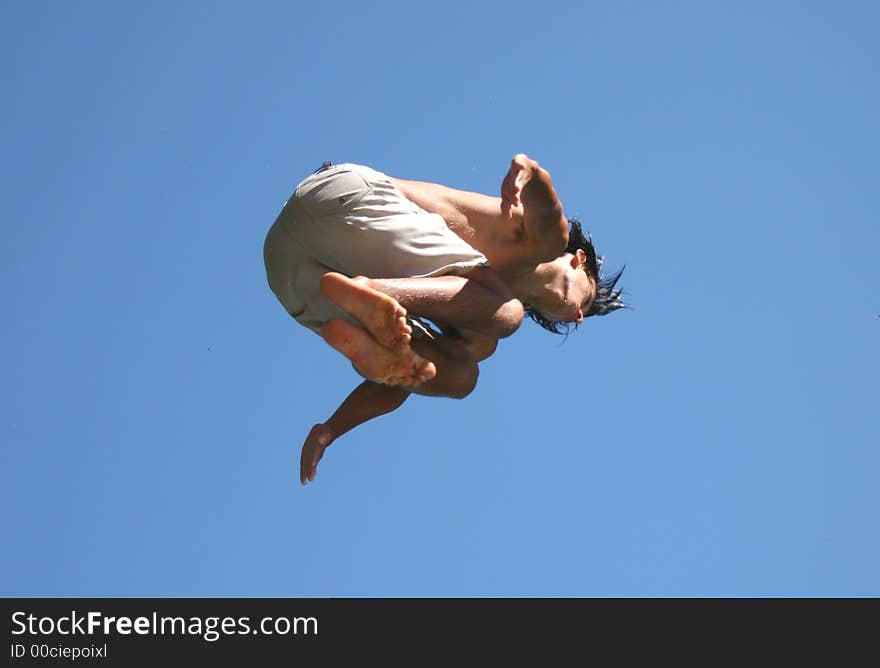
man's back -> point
(477, 219)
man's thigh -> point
(353, 220)
(356, 221)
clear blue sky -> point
(717, 440)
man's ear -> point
(578, 258)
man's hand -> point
(529, 187)
(313, 449)
(522, 167)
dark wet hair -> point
(607, 298)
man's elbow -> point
(554, 238)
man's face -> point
(577, 289)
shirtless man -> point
(542, 260)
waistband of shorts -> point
(326, 170)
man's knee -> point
(460, 367)
(483, 348)
(509, 317)
(466, 381)
(457, 370)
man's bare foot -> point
(313, 449)
(380, 364)
(382, 315)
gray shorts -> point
(353, 220)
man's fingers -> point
(510, 190)
(509, 185)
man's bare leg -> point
(381, 315)
(457, 374)
(482, 306)
(400, 366)
(479, 346)
(367, 401)
(457, 370)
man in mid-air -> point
(362, 258)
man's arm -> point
(528, 208)
(462, 210)
(529, 185)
